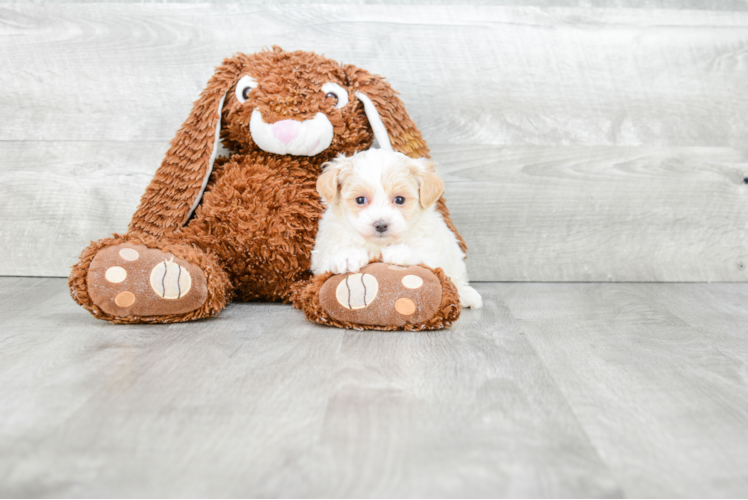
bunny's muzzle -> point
(292, 137)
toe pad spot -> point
(405, 306)
(124, 299)
(412, 281)
(115, 274)
(129, 254)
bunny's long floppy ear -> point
(391, 124)
(178, 185)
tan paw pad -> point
(357, 291)
(381, 295)
(127, 279)
(115, 274)
(170, 280)
(412, 281)
(405, 306)
(129, 254)
(124, 299)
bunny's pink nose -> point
(286, 130)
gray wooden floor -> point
(569, 390)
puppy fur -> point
(382, 204)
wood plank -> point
(528, 213)
(129, 72)
(258, 402)
(726, 5)
(461, 413)
(717, 323)
(497, 75)
(170, 409)
(600, 214)
(55, 197)
(660, 390)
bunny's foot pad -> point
(134, 280)
(381, 297)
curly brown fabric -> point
(254, 227)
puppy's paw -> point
(401, 255)
(469, 297)
(350, 260)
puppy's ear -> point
(327, 183)
(430, 186)
(178, 185)
(391, 124)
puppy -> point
(382, 204)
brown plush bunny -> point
(211, 230)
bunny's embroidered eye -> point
(333, 90)
(361, 200)
(399, 200)
(244, 86)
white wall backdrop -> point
(580, 141)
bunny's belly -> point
(260, 218)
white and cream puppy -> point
(383, 203)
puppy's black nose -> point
(380, 226)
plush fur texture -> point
(257, 211)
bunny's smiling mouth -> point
(292, 137)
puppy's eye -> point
(361, 200)
(335, 91)
(399, 200)
(244, 86)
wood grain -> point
(659, 388)
(726, 5)
(468, 74)
(600, 214)
(258, 402)
(551, 390)
(528, 213)
(55, 197)
(579, 144)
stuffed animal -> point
(211, 230)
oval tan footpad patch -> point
(170, 280)
(357, 291)
(405, 306)
(412, 281)
(382, 295)
(129, 254)
(115, 274)
(124, 299)
(134, 280)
